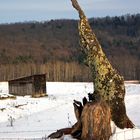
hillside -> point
(52, 47)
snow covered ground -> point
(38, 117)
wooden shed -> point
(34, 85)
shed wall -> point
(20, 89)
(33, 85)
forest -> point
(52, 47)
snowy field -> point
(38, 117)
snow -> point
(38, 117)
(4, 90)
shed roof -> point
(25, 77)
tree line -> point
(52, 47)
(55, 71)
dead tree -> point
(107, 82)
(93, 118)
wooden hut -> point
(34, 85)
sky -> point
(42, 10)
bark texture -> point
(94, 122)
(107, 82)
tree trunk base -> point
(93, 122)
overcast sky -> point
(42, 10)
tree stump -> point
(94, 123)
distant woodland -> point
(52, 47)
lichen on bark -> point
(108, 83)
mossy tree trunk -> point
(107, 82)
(93, 118)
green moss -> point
(108, 84)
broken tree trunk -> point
(94, 122)
(107, 82)
(93, 118)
